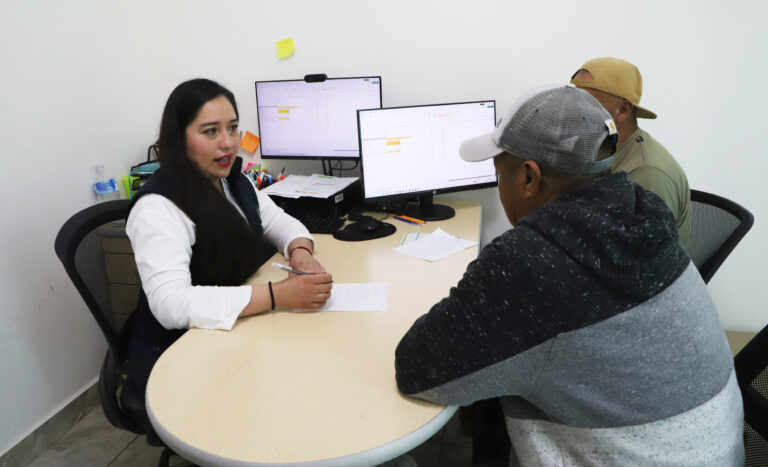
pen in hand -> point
(288, 268)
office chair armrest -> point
(752, 359)
(756, 410)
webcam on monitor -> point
(317, 78)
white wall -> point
(84, 81)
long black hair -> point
(226, 250)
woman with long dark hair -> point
(199, 229)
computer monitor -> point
(314, 117)
(414, 152)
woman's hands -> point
(304, 261)
(301, 257)
(309, 291)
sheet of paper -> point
(285, 48)
(313, 186)
(410, 237)
(434, 246)
(370, 296)
(249, 142)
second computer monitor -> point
(309, 119)
(414, 152)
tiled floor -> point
(94, 442)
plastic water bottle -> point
(104, 189)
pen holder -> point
(262, 179)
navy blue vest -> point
(146, 338)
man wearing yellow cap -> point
(618, 86)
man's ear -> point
(530, 174)
(623, 111)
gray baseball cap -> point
(558, 126)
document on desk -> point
(370, 296)
(313, 186)
(434, 246)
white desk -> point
(310, 388)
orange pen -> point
(412, 219)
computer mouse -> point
(370, 226)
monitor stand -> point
(427, 210)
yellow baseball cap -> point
(614, 76)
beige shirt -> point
(651, 166)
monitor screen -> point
(414, 152)
(301, 119)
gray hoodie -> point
(595, 329)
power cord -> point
(338, 166)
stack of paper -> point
(313, 186)
(434, 246)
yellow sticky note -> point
(249, 142)
(285, 48)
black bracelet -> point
(271, 294)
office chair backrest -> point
(717, 226)
(98, 258)
(80, 245)
(752, 372)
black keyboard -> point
(320, 223)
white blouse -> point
(162, 236)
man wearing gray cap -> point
(618, 85)
(587, 319)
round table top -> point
(289, 387)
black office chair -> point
(717, 226)
(752, 372)
(79, 246)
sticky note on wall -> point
(285, 48)
(249, 142)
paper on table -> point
(286, 188)
(434, 246)
(313, 186)
(410, 237)
(370, 296)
